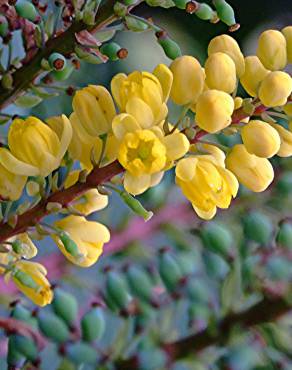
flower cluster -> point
(131, 125)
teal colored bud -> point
(64, 74)
(152, 359)
(284, 184)
(26, 9)
(82, 353)
(57, 61)
(117, 289)
(258, 227)
(93, 324)
(135, 206)
(135, 25)
(218, 239)
(3, 26)
(14, 358)
(225, 12)
(19, 312)
(139, 283)
(53, 327)
(65, 306)
(186, 262)
(205, 12)
(284, 235)
(169, 270)
(169, 46)
(279, 269)
(196, 290)
(113, 51)
(69, 244)
(24, 346)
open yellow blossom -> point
(35, 148)
(30, 278)
(272, 50)
(88, 238)
(253, 172)
(260, 139)
(275, 89)
(188, 80)
(89, 202)
(226, 44)
(287, 32)
(253, 75)
(220, 72)
(285, 149)
(143, 94)
(95, 109)
(206, 184)
(11, 185)
(213, 110)
(145, 154)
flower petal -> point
(123, 124)
(136, 184)
(141, 111)
(186, 168)
(19, 168)
(177, 145)
(116, 86)
(206, 215)
(165, 77)
(66, 136)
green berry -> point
(169, 270)
(93, 324)
(53, 327)
(284, 235)
(258, 227)
(139, 283)
(117, 290)
(225, 12)
(113, 51)
(82, 353)
(57, 61)
(217, 238)
(205, 12)
(27, 10)
(65, 306)
(170, 47)
(284, 184)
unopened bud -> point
(169, 270)
(284, 235)
(225, 12)
(57, 61)
(26, 9)
(114, 51)
(53, 327)
(135, 25)
(120, 9)
(258, 227)
(81, 353)
(65, 306)
(63, 74)
(117, 290)
(54, 207)
(93, 324)
(204, 12)
(136, 206)
(3, 26)
(170, 47)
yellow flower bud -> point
(11, 185)
(288, 108)
(35, 148)
(89, 237)
(206, 184)
(253, 172)
(95, 109)
(275, 89)
(188, 80)
(213, 110)
(220, 72)
(286, 140)
(287, 32)
(237, 102)
(226, 44)
(253, 75)
(30, 278)
(272, 50)
(260, 139)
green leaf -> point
(43, 93)
(105, 35)
(28, 101)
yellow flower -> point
(260, 139)
(24, 246)
(253, 172)
(213, 110)
(253, 75)
(220, 72)
(226, 44)
(11, 185)
(95, 109)
(272, 50)
(89, 237)
(35, 148)
(206, 184)
(188, 80)
(287, 32)
(143, 94)
(89, 202)
(30, 278)
(275, 89)
(145, 154)
(286, 140)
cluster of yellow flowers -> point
(131, 125)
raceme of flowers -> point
(130, 124)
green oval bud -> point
(113, 51)
(93, 324)
(26, 9)
(135, 206)
(169, 270)
(152, 359)
(258, 227)
(284, 235)
(284, 184)
(69, 244)
(218, 239)
(3, 26)
(205, 12)
(20, 312)
(7, 81)
(117, 289)
(65, 306)
(53, 327)
(181, 4)
(196, 290)
(81, 353)
(279, 268)
(135, 25)
(225, 12)
(169, 46)
(139, 283)
(129, 2)
(14, 358)
(64, 74)
(24, 346)
(120, 9)
(57, 61)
